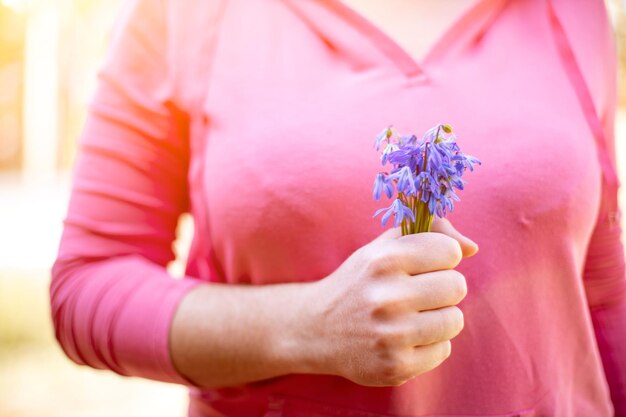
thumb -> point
(468, 246)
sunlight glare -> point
(18, 6)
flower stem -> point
(423, 218)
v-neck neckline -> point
(479, 15)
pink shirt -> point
(259, 118)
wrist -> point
(298, 343)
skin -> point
(415, 25)
(382, 317)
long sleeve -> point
(605, 285)
(111, 297)
(590, 62)
(605, 268)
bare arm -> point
(225, 335)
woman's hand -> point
(385, 315)
(389, 311)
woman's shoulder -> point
(589, 31)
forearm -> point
(224, 335)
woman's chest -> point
(288, 163)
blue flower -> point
(425, 173)
(399, 210)
(391, 147)
(408, 140)
(406, 182)
(382, 183)
(425, 182)
(471, 161)
(441, 204)
(402, 155)
(384, 135)
(456, 181)
(431, 134)
(463, 161)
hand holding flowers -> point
(388, 312)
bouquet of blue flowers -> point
(425, 173)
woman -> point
(258, 118)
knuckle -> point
(446, 324)
(394, 371)
(381, 343)
(451, 248)
(455, 252)
(446, 246)
(389, 369)
(457, 320)
(459, 285)
(380, 261)
(441, 326)
(424, 334)
(434, 356)
(379, 302)
(385, 340)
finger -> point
(428, 357)
(433, 290)
(433, 326)
(425, 252)
(468, 246)
(388, 234)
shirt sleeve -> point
(605, 271)
(605, 286)
(112, 301)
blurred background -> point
(49, 54)
(50, 51)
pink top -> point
(259, 118)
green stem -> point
(423, 218)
